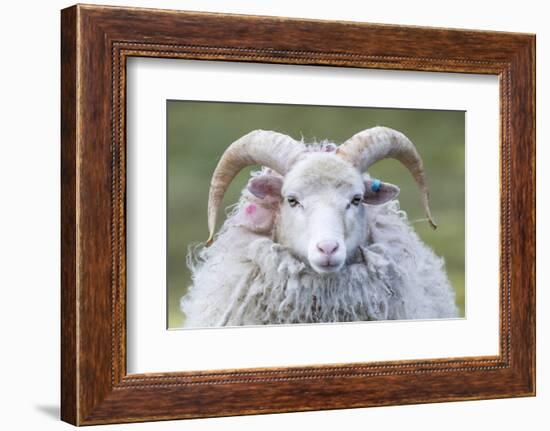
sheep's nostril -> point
(327, 247)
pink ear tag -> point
(250, 209)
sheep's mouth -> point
(327, 267)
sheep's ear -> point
(378, 192)
(265, 185)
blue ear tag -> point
(376, 185)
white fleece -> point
(245, 278)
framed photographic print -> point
(265, 214)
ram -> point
(313, 238)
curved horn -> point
(260, 147)
(369, 146)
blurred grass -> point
(199, 132)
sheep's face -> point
(322, 216)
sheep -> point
(314, 238)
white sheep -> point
(314, 238)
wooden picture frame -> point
(95, 43)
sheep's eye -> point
(357, 199)
(292, 201)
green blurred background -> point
(199, 132)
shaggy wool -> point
(245, 278)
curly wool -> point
(245, 278)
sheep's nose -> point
(327, 247)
